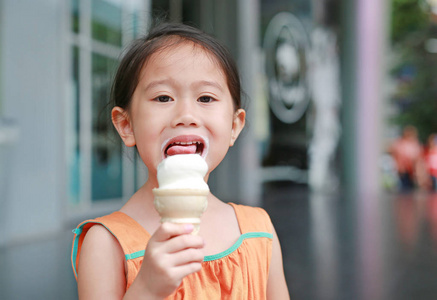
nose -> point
(185, 114)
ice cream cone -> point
(183, 206)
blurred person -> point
(431, 160)
(407, 153)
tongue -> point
(181, 149)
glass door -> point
(100, 169)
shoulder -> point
(93, 237)
(251, 210)
(252, 218)
(99, 243)
(99, 235)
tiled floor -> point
(334, 247)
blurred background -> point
(339, 146)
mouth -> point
(185, 144)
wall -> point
(32, 35)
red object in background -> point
(431, 159)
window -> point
(100, 169)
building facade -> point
(60, 161)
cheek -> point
(147, 132)
(222, 139)
(144, 120)
(224, 117)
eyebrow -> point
(157, 82)
(195, 84)
(208, 83)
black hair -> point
(164, 35)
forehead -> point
(177, 51)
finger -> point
(168, 230)
(182, 242)
(187, 269)
(186, 256)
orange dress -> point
(240, 272)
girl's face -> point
(181, 105)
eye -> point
(163, 99)
(205, 99)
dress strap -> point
(252, 219)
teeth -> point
(201, 147)
(186, 143)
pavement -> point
(334, 247)
(356, 247)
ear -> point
(121, 121)
(237, 125)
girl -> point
(176, 88)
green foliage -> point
(408, 16)
(416, 92)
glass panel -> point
(286, 48)
(135, 24)
(106, 152)
(106, 21)
(74, 130)
(75, 16)
(135, 14)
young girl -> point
(176, 88)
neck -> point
(140, 205)
(144, 193)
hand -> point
(171, 254)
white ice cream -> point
(184, 171)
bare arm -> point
(101, 271)
(171, 254)
(276, 284)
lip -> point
(186, 139)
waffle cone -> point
(184, 206)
